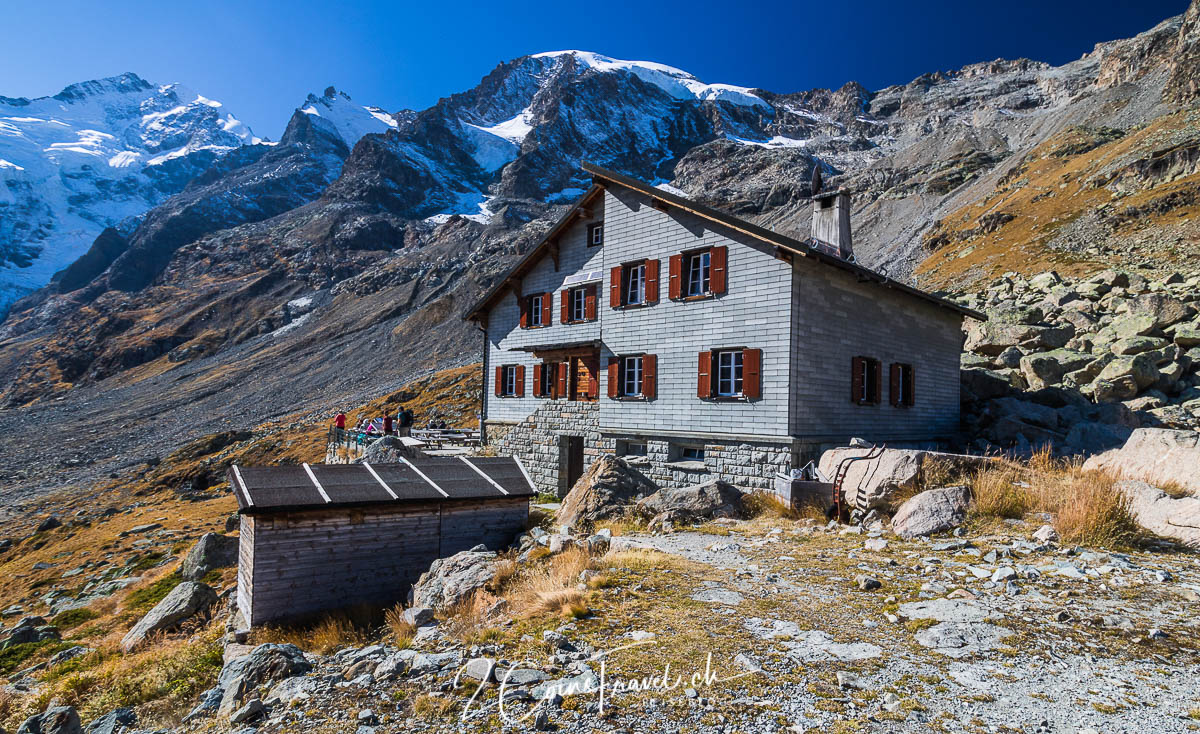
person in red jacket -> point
(340, 421)
(387, 424)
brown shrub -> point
(402, 632)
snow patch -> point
(349, 121)
(778, 141)
(10, 164)
(671, 189)
(675, 82)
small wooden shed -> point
(323, 536)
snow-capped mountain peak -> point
(675, 82)
(338, 114)
(91, 156)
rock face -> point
(1155, 455)
(607, 489)
(184, 601)
(116, 721)
(56, 720)
(932, 511)
(452, 580)
(1177, 518)
(1130, 361)
(211, 551)
(871, 484)
(713, 498)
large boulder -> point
(932, 511)
(390, 449)
(713, 498)
(1155, 455)
(452, 580)
(1164, 309)
(1140, 367)
(54, 720)
(211, 552)
(266, 663)
(607, 489)
(1047, 368)
(1160, 513)
(184, 601)
(114, 722)
(873, 483)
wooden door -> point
(571, 462)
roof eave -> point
(483, 305)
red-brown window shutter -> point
(589, 302)
(878, 380)
(718, 269)
(547, 309)
(675, 279)
(910, 397)
(593, 389)
(649, 376)
(562, 380)
(520, 393)
(856, 379)
(894, 384)
(524, 313)
(564, 306)
(537, 381)
(499, 381)
(614, 287)
(652, 281)
(752, 373)
(614, 366)
(704, 376)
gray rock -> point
(713, 498)
(55, 720)
(211, 551)
(1177, 518)
(1162, 309)
(1046, 534)
(866, 583)
(452, 580)
(1139, 367)
(1133, 325)
(253, 709)
(932, 511)
(266, 663)
(957, 640)
(873, 484)
(946, 610)
(185, 600)
(418, 616)
(49, 524)
(480, 669)
(1155, 455)
(605, 490)
(1048, 368)
(114, 722)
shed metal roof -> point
(427, 479)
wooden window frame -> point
(900, 385)
(679, 286)
(545, 380)
(592, 230)
(512, 381)
(544, 311)
(736, 376)
(709, 375)
(620, 281)
(865, 380)
(705, 290)
(647, 380)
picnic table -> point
(439, 437)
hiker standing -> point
(387, 424)
(339, 424)
(405, 419)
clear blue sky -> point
(261, 57)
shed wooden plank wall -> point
(309, 561)
(245, 566)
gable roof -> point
(602, 177)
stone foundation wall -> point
(744, 465)
(536, 441)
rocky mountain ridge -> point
(287, 275)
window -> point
(545, 380)
(691, 453)
(864, 380)
(535, 311)
(729, 373)
(901, 384)
(635, 284)
(633, 376)
(578, 304)
(510, 381)
(725, 374)
(595, 234)
(631, 448)
(697, 273)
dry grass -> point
(324, 634)
(1086, 507)
(401, 632)
(550, 587)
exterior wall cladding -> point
(809, 320)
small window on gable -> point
(595, 234)
(865, 379)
